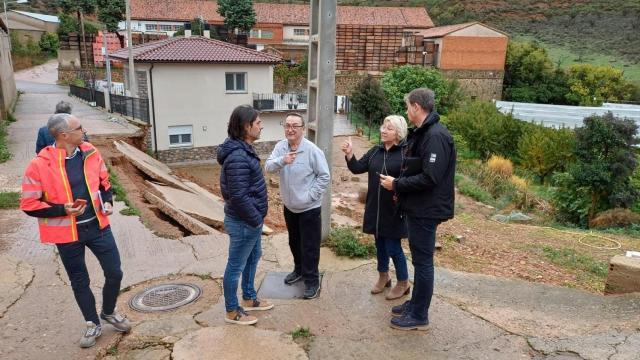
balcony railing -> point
(279, 102)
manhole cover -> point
(165, 297)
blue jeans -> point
(245, 251)
(391, 248)
(103, 246)
(422, 242)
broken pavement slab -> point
(16, 277)
(200, 204)
(195, 226)
(149, 165)
(235, 342)
(207, 210)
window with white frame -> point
(166, 27)
(150, 27)
(261, 34)
(301, 32)
(180, 135)
(236, 82)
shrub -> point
(469, 188)
(500, 166)
(546, 150)
(615, 218)
(399, 81)
(486, 130)
(601, 178)
(49, 44)
(345, 241)
(368, 99)
(592, 85)
(530, 76)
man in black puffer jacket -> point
(245, 207)
(426, 190)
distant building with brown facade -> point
(472, 53)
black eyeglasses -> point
(291, 126)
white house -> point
(193, 83)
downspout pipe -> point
(153, 112)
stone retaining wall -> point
(206, 153)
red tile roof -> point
(441, 31)
(195, 49)
(286, 14)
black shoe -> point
(311, 291)
(292, 278)
(408, 322)
(400, 310)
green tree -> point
(399, 81)
(601, 177)
(546, 150)
(530, 76)
(80, 8)
(237, 14)
(369, 100)
(49, 44)
(68, 24)
(486, 130)
(110, 13)
(197, 28)
(592, 85)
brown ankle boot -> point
(401, 289)
(384, 281)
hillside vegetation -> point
(583, 31)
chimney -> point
(187, 30)
(207, 31)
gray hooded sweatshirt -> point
(302, 182)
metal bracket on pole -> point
(321, 88)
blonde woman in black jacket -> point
(381, 217)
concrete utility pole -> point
(107, 66)
(321, 88)
(133, 87)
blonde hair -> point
(399, 123)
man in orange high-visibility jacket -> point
(66, 186)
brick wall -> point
(263, 148)
(473, 53)
(369, 48)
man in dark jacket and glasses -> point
(426, 190)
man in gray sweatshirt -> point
(304, 177)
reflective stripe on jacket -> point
(45, 182)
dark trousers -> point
(422, 242)
(304, 241)
(103, 246)
(386, 248)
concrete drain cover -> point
(164, 297)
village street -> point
(472, 316)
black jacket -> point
(380, 215)
(242, 182)
(429, 191)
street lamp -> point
(6, 17)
